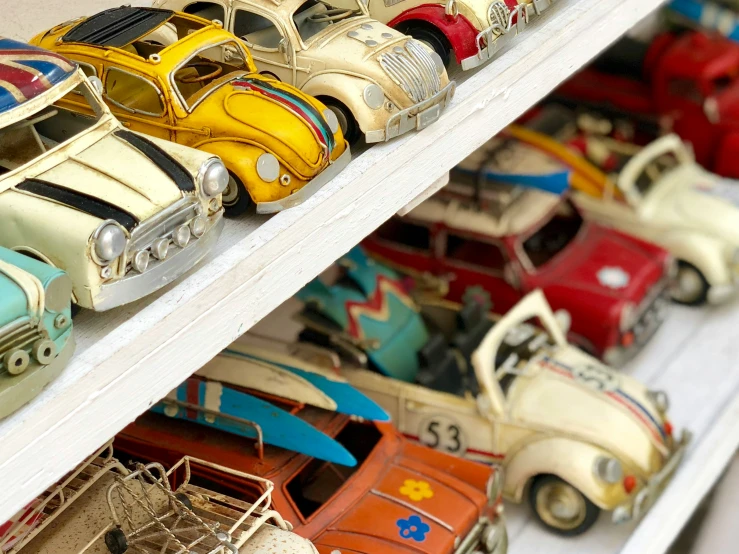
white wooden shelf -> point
(129, 358)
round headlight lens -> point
(438, 63)
(331, 119)
(608, 469)
(660, 400)
(110, 242)
(214, 178)
(268, 168)
(373, 96)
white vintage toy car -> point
(122, 214)
(376, 80)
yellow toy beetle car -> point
(162, 75)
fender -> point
(705, 252)
(460, 32)
(576, 467)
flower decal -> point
(416, 490)
(413, 528)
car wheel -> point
(349, 126)
(690, 287)
(236, 199)
(561, 507)
(433, 39)
(115, 541)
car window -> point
(411, 235)
(133, 93)
(256, 30)
(483, 255)
(317, 481)
(207, 10)
(313, 16)
(554, 236)
(653, 172)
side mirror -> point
(564, 320)
(97, 84)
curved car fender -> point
(705, 252)
(570, 460)
(348, 89)
(460, 32)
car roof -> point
(117, 27)
(27, 72)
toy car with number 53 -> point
(182, 78)
(122, 214)
(574, 436)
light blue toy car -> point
(36, 339)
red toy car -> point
(685, 83)
(511, 240)
(399, 498)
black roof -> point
(117, 27)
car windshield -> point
(209, 66)
(654, 170)
(30, 138)
(554, 236)
(314, 16)
(318, 481)
(519, 346)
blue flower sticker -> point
(413, 528)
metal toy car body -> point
(123, 215)
(657, 193)
(162, 76)
(397, 498)
(510, 240)
(685, 83)
(375, 80)
(36, 339)
(574, 436)
(104, 508)
(719, 16)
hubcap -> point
(689, 285)
(341, 116)
(561, 506)
(231, 194)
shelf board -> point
(694, 358)
(129, 358)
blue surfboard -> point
(279, 428)
(556, 183)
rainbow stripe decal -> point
(293, 103)
(376, 307)
(27, 72)
(627, 401)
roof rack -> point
(117, 27)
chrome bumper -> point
(495, 38)
(309, 189)
(537, 7)
(17, 390)
(488, 537)
(417, 117)
(134, 286)
(648, 495)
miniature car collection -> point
(464, 354)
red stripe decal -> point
(193, 397)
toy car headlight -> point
(109, 241)
(438, 63)
(608, 469)
(493, 487)
(268, 168)
(331, 119)
(373, 96)
(628, 317)
(213, 177)
(660, 400)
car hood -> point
(441, 515)
(689, 197)
(124, 176)
(571, 393)
(356, 46)
(606, 263)
(272, 114)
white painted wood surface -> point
(129, 358)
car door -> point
(271, 47)
(475, 262)
(137, 101)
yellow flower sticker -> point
(416, 490)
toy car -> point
(657, 193)
(511, 239)
(376, 81)
(36, 339)
(393, 496)
(574, 436)
(720, 16)
(122, 214)
(104, 508)
(162, 75)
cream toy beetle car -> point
(123, 215)
(376, 80)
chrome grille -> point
(412, 69)
(18, 334)
(164, 223)
(499, 14)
